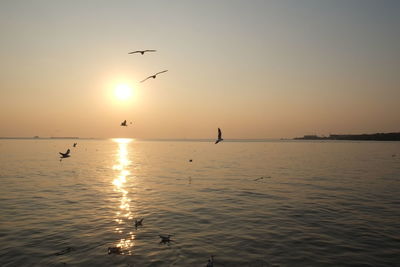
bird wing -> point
(219, 133)
(66, 153)
(161, 72)
(149, 50)
(146, 78)
(133, 52)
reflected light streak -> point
(123, 214)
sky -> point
(256, 69)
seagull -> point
(138, 223)
(210, 261)
(123, 123)
(142, 51)
(165, 239)
(65, 155)
(219, 136)
(154, 76)
(75, 144)
(114, 250)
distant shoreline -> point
(354, 137)
(304, 138)
(37, 137)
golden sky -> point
(256, 69)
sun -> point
(123, 92)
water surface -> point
(318, 203)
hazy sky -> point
(257, 69)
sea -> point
(246, 203)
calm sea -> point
(275, 203)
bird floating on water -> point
(165, 238)
(138, 223)
(75, 144)
(114, 250)
(190, 160)
(219, 136)
(154, 76)
(123, 123)
(142, 51)
(210, 262)
(65, 155)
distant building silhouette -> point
(358, 137)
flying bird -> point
(142, 51)
(123, 123)
(138, 223)
(65, 155)
(219, 136)
(154, 76)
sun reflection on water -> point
(123, 214)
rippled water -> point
(318, 203)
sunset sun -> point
(123, 92)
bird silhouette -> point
(210, 261)
(114, 250)
(75, 144)
(154, 76)
(165, 238)
(142, 51)
(138, 223)
(123, 123)
(65, 155)
(219, 136)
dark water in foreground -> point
(319, 203)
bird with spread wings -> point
(219, 136)
(142, 51)
(64, 155)
(154, 76)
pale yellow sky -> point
(258, 69)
